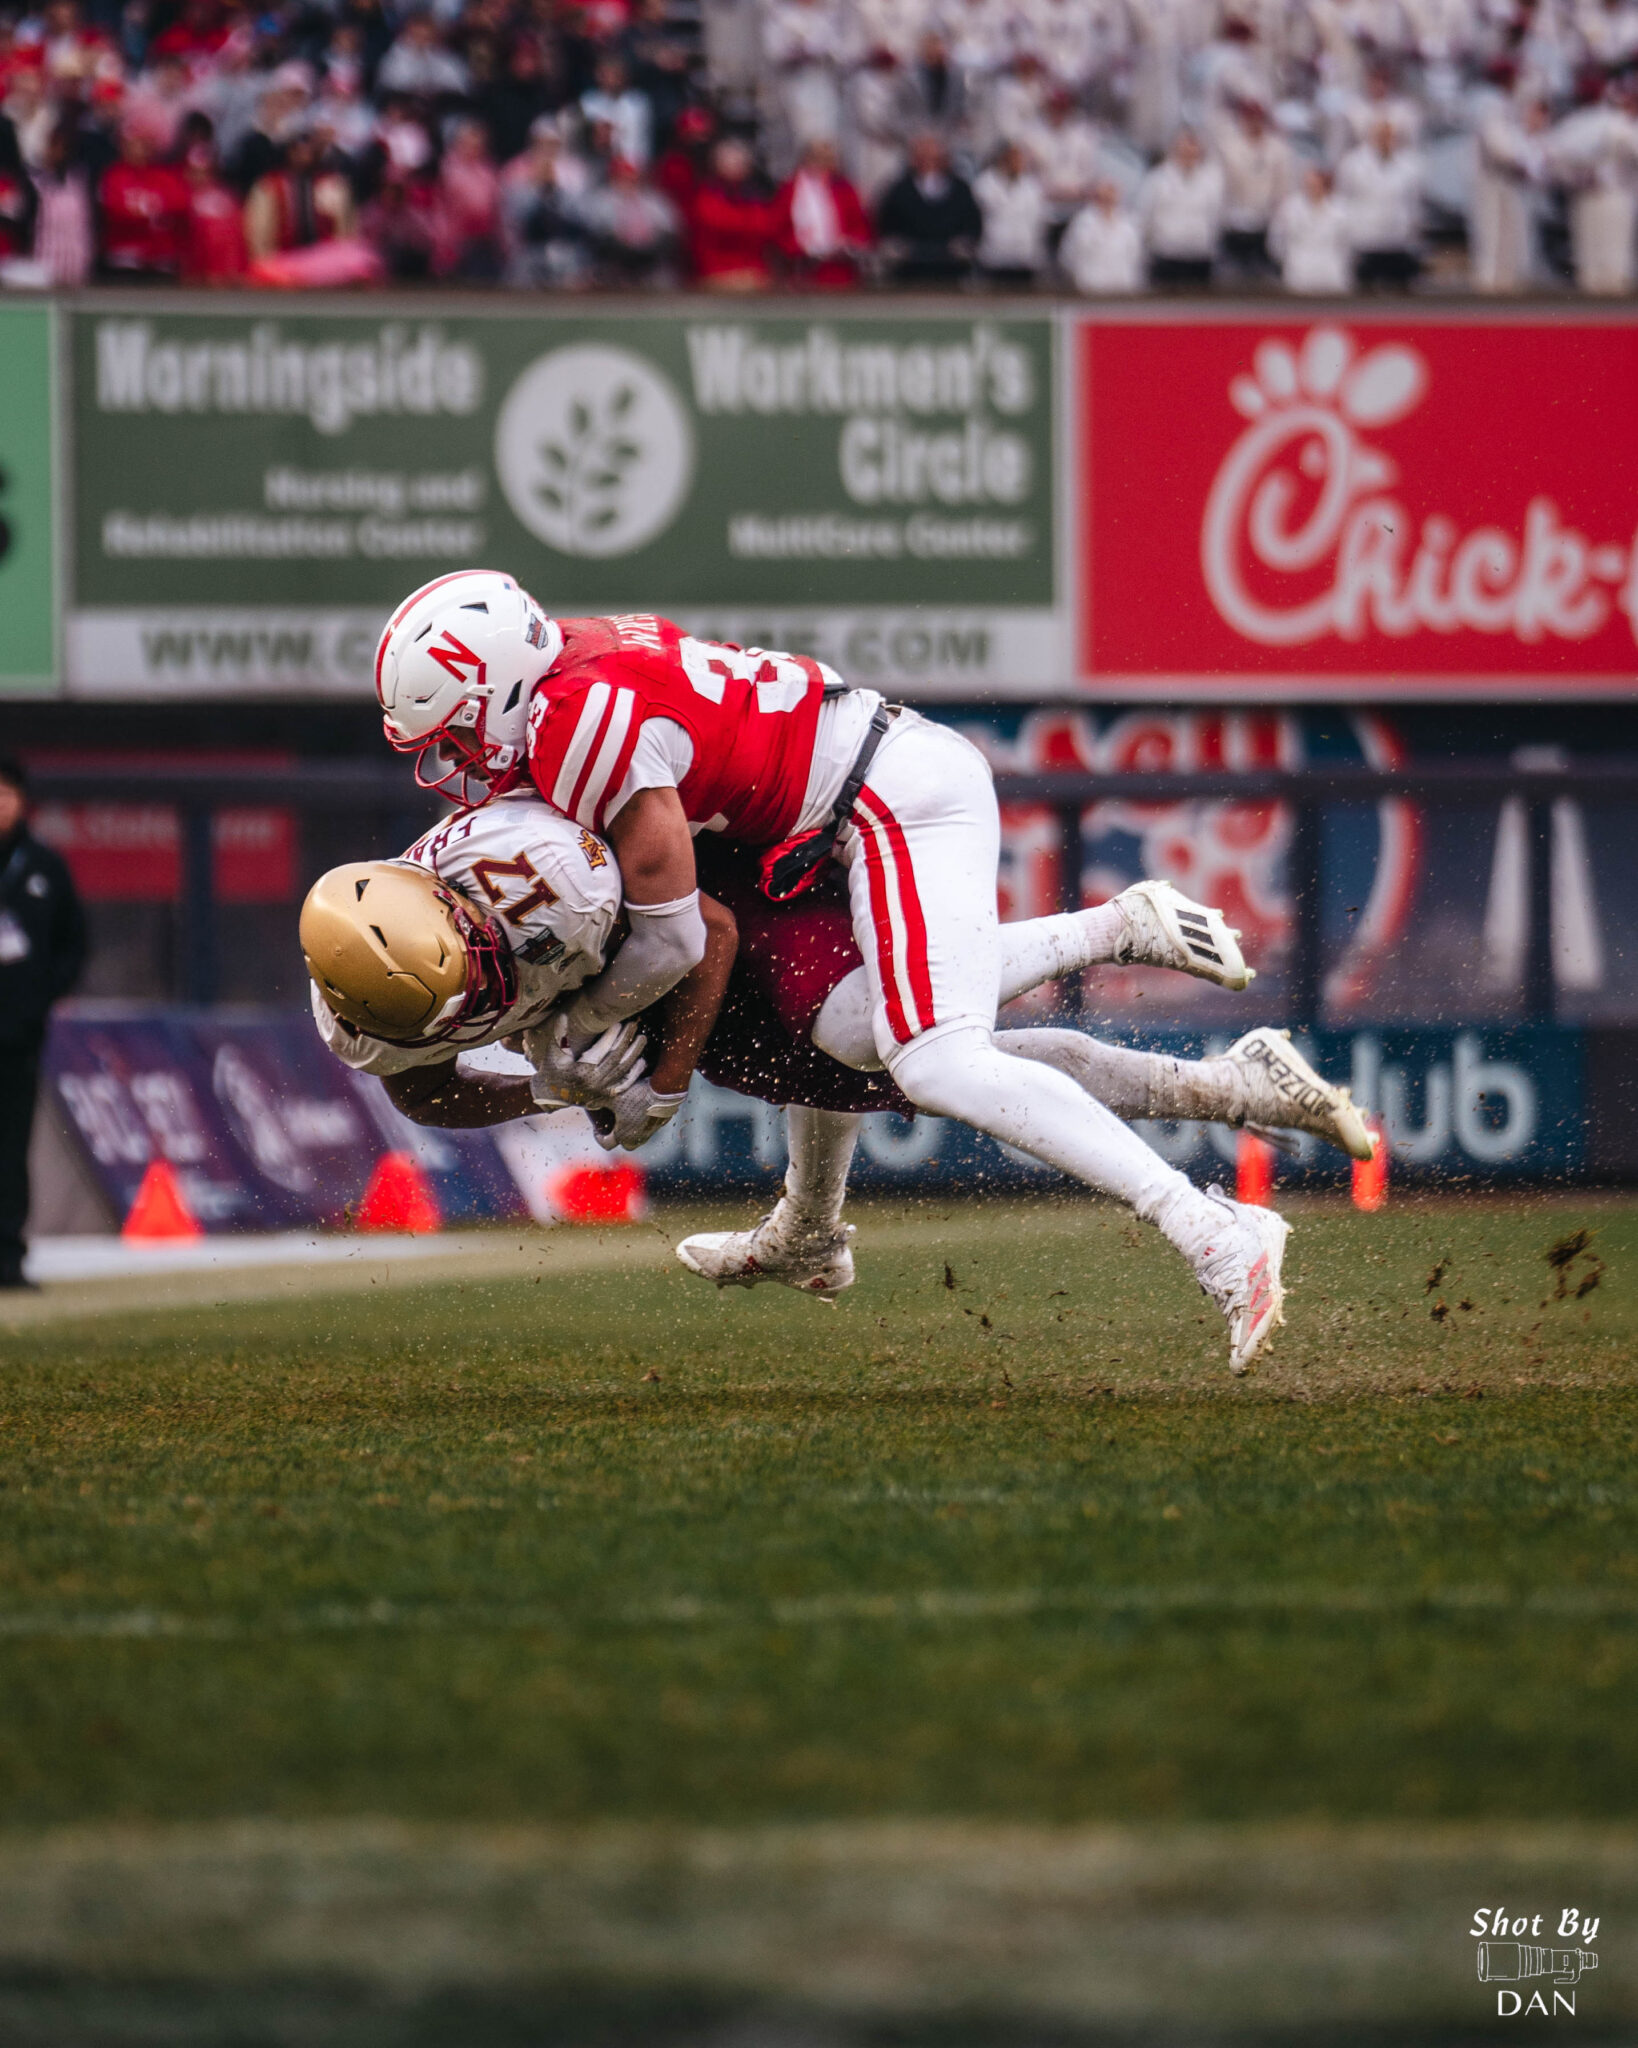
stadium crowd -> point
(743, 145)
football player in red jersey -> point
(634, 729)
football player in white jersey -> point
(498, 915)
(476, 937)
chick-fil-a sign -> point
(1323, 507)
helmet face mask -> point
(449, 761)
(454, 670)
(399, 955)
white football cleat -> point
(1242, 1275)
(1283, 1090)
(820, 1265)
(1165, 928)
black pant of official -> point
(19, 1083)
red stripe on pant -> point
(882, 825)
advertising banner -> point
(267, 1131)
(28, 593)
(1334, 509)
(264, 1129)
(1457, 1104)
(255, 489)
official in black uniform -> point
(42, 949)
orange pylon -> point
(1371, 1175)
(159, 1208)
(399, 1197)
(1253, 1170)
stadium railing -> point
(391, 810)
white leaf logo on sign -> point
(594, 450)
(1304, 445)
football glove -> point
(634, 1116)
(589, 1080)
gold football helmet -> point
(399, 954)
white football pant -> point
(921, 853)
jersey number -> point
(490, 875)
(780, 679)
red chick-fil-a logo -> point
(1303, 494)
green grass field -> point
(1002, 1541)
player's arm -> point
(668, 937)
(688, 1015)
(443, 1096)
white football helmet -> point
(454, 670)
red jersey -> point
(750, 716)
(144, 217)
(215, 246)
(791, 955)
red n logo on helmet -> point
(454, 656)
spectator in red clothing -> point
(18, 199)
(471, 244)
(401, 224)
(680, 170)
(823, 227)
(734, 229)
(64, 237)
(214, 251)
(195, 35)
(144, 208)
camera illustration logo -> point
(594, 450)
(1515, 1962)
(1547, 1977)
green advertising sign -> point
(254, 492)
(28, 640)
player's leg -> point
(1263, 1080)
(1151, 924)
(802, 1241)
(1235, 1252)
(921, 861)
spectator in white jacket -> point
(877, 110)
(628, 113)
(1595, 152)
(1608, 31)
(1356, 117)
(978, 34)
(1067, 152)
(1258, 171)
(1309, 237)
(1012, 201)
(1180, 204)
(419, 64)
(1380, 184)
(1064, 34)
(802, 43)
(1102, 249)
(1507, 186)
(896, 26)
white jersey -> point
(552, 887)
